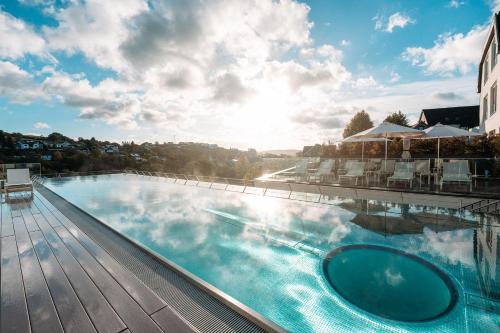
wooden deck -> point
(55, 278)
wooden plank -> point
(148, 300)
(135, 318)
(29, 220)
(41, 309)
(71, 312)
(46, 203)
(53, 221)
(100, 311)
(13, 308)
(7, 227)
(48, 213)
(170, 322)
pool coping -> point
(229, 301)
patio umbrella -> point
(444, 131)
(389, 130)
(363, 140)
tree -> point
(360, 122)
(397, 118)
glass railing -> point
(457, 175)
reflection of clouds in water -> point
(338, 232)
(247, 250)
(451, 246)
(392, 277)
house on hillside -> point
(59, 145)
(28, 144)
(110, 149)
(46, 157)
(487, 79)
(465, 117)
(136, 157)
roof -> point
(463, 116)
(493, 29)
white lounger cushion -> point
(404, 171)
(18, 177)
(456, 172)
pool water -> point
(390, 283)
(269, 253)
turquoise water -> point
(268, 253)
(390, 283)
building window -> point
(485, 70)
(493, 99)
(485, 107)
(493, 54)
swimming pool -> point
(269, 253)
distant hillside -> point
(289, 152)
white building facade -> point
(488, 81)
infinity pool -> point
(275, 255)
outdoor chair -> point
(344, 167)
(356, 171)
(372, 164)
(423, 169)
(324, 172)
(403, 172)
(456, 172)
(386, 168)
(18, 180)
(300, 171)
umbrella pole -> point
(386, 148)
(439, 141)
(363, 151)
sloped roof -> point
(463, 116)
(493, 31)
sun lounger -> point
(345, 166)
(456, 172)
(300, 171)
(324, 172)
(355, 171)
(18, 180)
(386, 168)
(423, 169)
(403, 172)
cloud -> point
(95, 28)
(398, 20)
(104, 101)
(447, 96)
(455, 3)
(395, 77)
(379, 22)
(450, 54)
(17, 84)
(332, 119)
(365, 82)
(223, 71)
(41, 125)
(494, 5)
(18, 38)
(345, 42)
(201, 58)
(229, 88)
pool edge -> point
(227, 300)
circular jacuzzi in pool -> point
(390, 283)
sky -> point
(265, 74)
